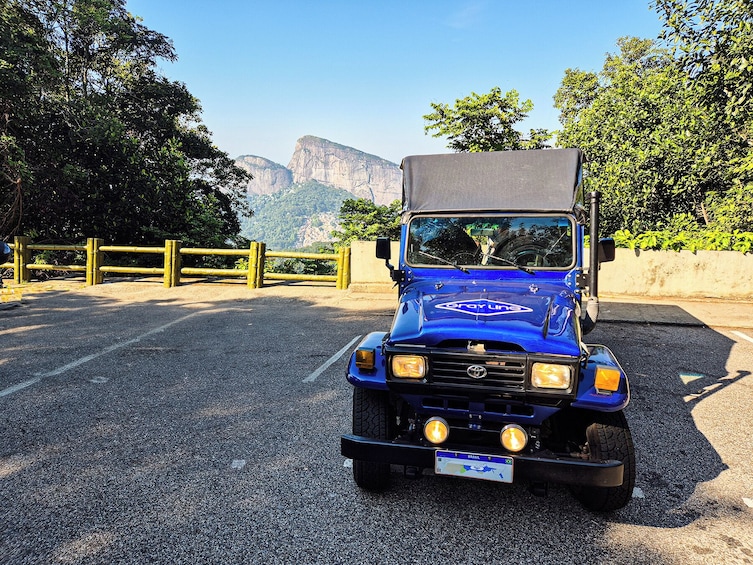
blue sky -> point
(363, 73)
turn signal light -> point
(365, 358)
(607, 379)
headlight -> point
(436, 430)
(409, 366)
(513, 438)
(550, 375)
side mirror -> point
(606, 250)
(383, 248)
(384, 251)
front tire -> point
(371, 418)
(608, 437)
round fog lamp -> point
(436, 430)
(513, 437)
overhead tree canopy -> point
(485, 122)
(651, 148)
(95, 142)
(713, 43)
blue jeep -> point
(484, 373)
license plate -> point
(473, 466)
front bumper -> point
(553, 469)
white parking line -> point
(78, 362)
(742, 335)
(312, 377)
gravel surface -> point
(201, 424)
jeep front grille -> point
(506, 372)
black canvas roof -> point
(545, 180)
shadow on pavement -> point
(673, 361)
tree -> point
(714, 48)
(97, 142)
(485, 123)
(648, 144)
(26, 67)
(363, 220)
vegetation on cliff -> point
(278, 216)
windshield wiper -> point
(445, 261)
(511, 263)
(551, 247)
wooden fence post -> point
(253, 258)
(346, 269)
(167, 274)
(260, 264)
(172, 263)
(340, 270)
(343, 268)
(21, 259)
(93, 261)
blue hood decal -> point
(541, 320)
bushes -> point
(691, 240)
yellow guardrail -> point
(172, 269)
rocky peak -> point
(363, 175)
(269, 177)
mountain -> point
(269, 177)
(298, 205)
(363, 175)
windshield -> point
(492, 241)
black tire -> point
(371, 418)
(609, 438)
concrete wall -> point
(683, 274)
(367, 273)
(704, 274)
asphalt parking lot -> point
(201, 424)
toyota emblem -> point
(476, 371)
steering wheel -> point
(523, 251)
(464, 258)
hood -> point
(535, 318)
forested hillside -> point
(279, 218)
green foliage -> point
(667, 130)
(692, 240)
(642, 132)
(279, 216)
(95, 142)
(484, 122)
(732, 210)
(305, 266)
(361, 219)
(713, 43)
